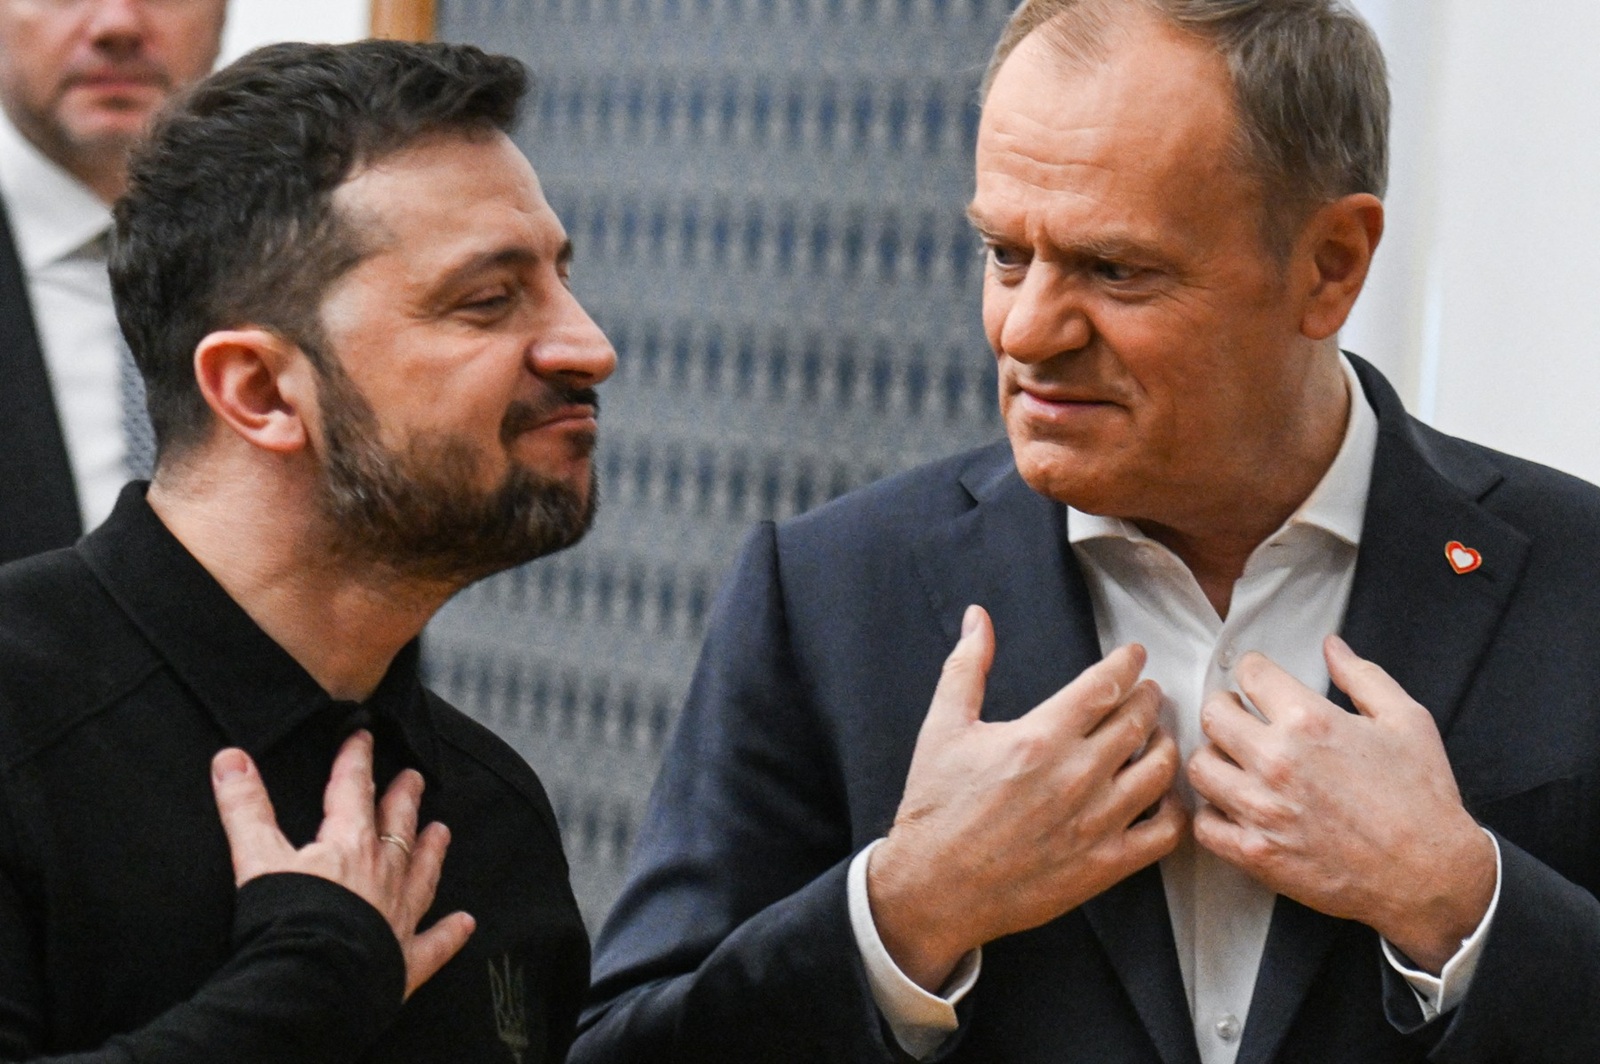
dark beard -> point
(414, 512)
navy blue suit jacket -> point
(732, 941)
(38, 498)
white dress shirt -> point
(58, 225)
(1293, 592)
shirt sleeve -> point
(920, 1021)
(1439, 994)
(316, 976)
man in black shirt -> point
(370, 386)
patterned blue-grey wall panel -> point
(766, 197)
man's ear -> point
(1335, 252)
(258, 384)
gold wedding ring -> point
(397, 841)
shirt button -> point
(1227, 656)
(1228, 1027)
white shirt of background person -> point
(60, 228)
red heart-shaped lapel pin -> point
(1462, 559)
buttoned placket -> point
(1292, 592)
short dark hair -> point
(228, 219)
(1309, 83)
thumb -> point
(247, 817)
(1374, 692)
(959, 697)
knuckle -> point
(1370, 672)
(1276, 768)
(1169, 832)
(1255, 849)
(1316, 726)
(1132, 731)
(1165, 758)
(957, 666)
(1104, 690)
(1276, 815)
(1147, 706)
(1030, 749)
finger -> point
(254, 841)
(1374, 692)
(1099, 689)
(1271, 689)
(1141, 784)
(428, 952)
(348, 802)
(1215, 832)
(1127, 729)
(1220, 781)
(1234, 729)
(1148, 840)
(397, 813)
(422, 877)
(958, 699)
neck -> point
(1262, 488)
(259, 533)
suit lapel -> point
(1412, 613)
(1133, 925)
(1009, 554)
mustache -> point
(138, 70)
(521, 416)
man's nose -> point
(1044, 316)
(572, 346)
(116, 25)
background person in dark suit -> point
(79, 80)
(1180, 202)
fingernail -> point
(969, 621)
(1340, 646)
(230, 764)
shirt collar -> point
(257, 693)
(1337, 505)
(53, 214)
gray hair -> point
(1309, 84)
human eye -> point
(1003, 258)
(1117, 272)
(487, 303)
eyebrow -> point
(509, 256)
(975, 220)
(1106, 247)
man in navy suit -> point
(1118, 822)
(79, 82)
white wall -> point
(257, 22)
(1485, 302)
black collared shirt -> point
(123, 668)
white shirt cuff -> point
(919, 1020)
(1438, 994)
